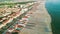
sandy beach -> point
(40, 19)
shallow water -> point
(53, 8)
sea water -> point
(53, 8)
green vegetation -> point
(9, 25)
